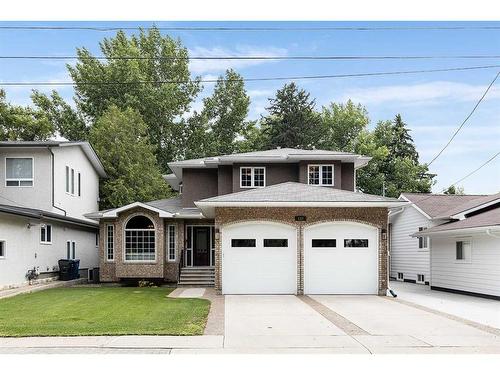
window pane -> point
(68, 250)
(259, 176)
(272, 242)
(67, 179)
(243, 242)
(355, 242)
(2, 249)
(139, 244)
(12, 183)
(459, 250)
(189, 233)
(110, 242)
(79, 185)
(327, 175)
(246, 177)
(42, 234)
(171, 242)
(324, 243)
(49, 233)
(74, 250)
(314, 175)
(17, 168)
(72, 181)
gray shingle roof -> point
(174, 205)
(440, 205)
(298, 192)
(485, 219)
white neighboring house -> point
(46, 188)
(409, 256)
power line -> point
(260, 28)
(466, 119)
(477, 169)
(352, 75)
(32, 57)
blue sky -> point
(432, 104)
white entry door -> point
(340, 258)
(259, 258)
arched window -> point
(140, 239)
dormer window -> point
(320, 174)
(252, 177)
(19, 172)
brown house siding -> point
(198, 184)
(276, 173)
(225, 179)
(347, 182)
(367, 215)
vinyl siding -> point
(480, 275)
(406, 257)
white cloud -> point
(429, 93)
(202, 66)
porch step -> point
(197, 276)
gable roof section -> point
(295, 194)
(485, 220)
(171, 207)
(87, 149)
(473, 205)
(436, 206)
(278, 155)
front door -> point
(201, 246)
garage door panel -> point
(341, 269)
(259, 269)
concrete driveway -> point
(347, 324)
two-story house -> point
(46, 189)
(282, 221)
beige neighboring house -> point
(46, 188)
(450, 242)
(281, 221)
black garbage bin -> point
(68, 269)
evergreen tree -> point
(292, 120)
(401, 145)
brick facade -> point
(368, 215)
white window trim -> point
(463, 261)
(75, 184)
(169, 228)
(252, 178)
(51, 234)
(106, 243)
(4, 256)
(20, 179)
(321, 174)
(124, 245)
(397, 276)
(427, 239)
(420, 282)
(70, 242)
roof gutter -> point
(458, 231)
(300, 204)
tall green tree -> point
(157, 84)
(121, 141)
(342, 125)
(19, 123)
(68, 122)
(226, 110)
(291, 120)
(454, 190)
(402, 145)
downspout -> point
(53, 199)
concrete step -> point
(196, 283)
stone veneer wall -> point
(367, 215)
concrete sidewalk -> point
(11, 292)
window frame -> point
(244, 239)
(402, 278)
(3, 246)
(420, 281)
(171, 228)
(320, 177)
(71, 249)
(125, 230)
(79, 182)
(318, 241)
(467, 257)
(252, 177)
(106, 247)
(67, 179)
(32, 179)
(43, 239)
(423, 242)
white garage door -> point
(340, 258)
(259, 258)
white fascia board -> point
(461, 215)
(416, 207)
(114, 213)
(459, 231)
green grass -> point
(81, 311)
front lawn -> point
(81, 311)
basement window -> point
(400, 276)
(420, 279)
(2, 249)
(463, 250)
